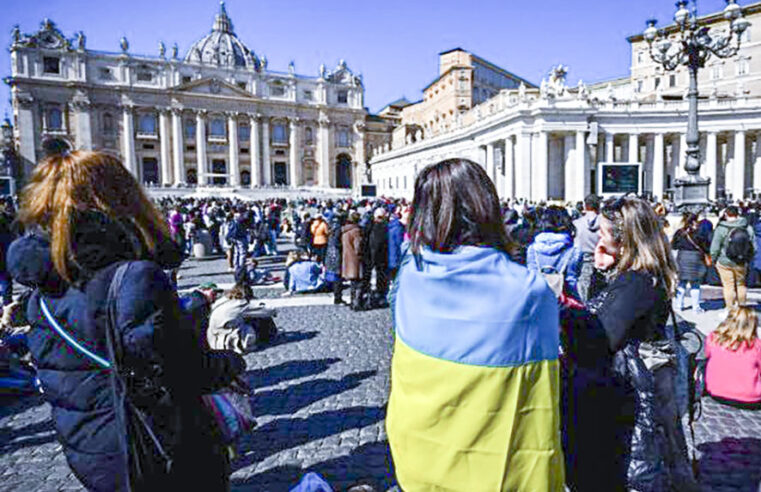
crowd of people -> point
(531, 348)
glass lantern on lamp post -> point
(692, 46)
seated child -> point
(303, 274)
(733, 359)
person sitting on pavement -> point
(733, 360)
(304, 275)
(233, 323)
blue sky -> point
(392, 43)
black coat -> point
(690, 256)
(376, 252)
(620, 418)
(333, 253)
(150, 322)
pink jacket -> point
(734, 374)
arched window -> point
(55, 119)
(147, 124)
(217, 127)
(308, 136)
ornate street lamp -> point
(693, 46)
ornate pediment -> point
(342, 75)
(212, 86)
(48, 37)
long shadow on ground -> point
(289, 400)
(286, 433)
(270, 376)
(369, 464)
(732, 464)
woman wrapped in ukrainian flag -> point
(474, 403)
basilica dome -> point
(221, 47)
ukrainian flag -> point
(474, 403)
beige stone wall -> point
(739, 75)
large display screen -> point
(620, 178)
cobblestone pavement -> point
(320, 393)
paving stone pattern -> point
(320, 394)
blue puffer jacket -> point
(552, 249)
(149, 319)
(395, 240)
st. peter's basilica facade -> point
(217, 116)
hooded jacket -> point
(721, 237)
(556, 250)
(587, 232)
(395, 240)
(148, 318)
(474, 402)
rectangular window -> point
(217, 128)
(279, 134)
(144, 76)
(639, 86)
(277, 90)
(657, 82)
(742, 67)
(717, 72)
(244, 133)
(343, 138)
(308, 95)
(343, 97)
(672, 80)
(405, 182)
(186, 79)
(190, 129)
(51, 64)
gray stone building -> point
(217, 116)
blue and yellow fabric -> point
(474, 403)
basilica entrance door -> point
(218, 166)
(343, 171)
(281, 176)
(150, 170)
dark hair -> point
(556, 219)
(732, 211)
(455, 204)
(592, 202)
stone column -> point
(84, 125)
(580, 168)
(610, 146)
(266, 164)
(166, 159)
(738, 189)
(178, 147)
(509, 168)
(25, 126)
(711, 164)
(201, 146)
(256, 163)
(570, 186)
(232, 146)
(293, 144)
(490, 162)
(658, 166)
(523, 166)
(128, 141)
(633, 147)
(757, 164)
(539, 173)
(323, 152)
(358, 173)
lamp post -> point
(693, 46)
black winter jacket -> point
(620, 417)
(148, 317)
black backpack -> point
(739, 246)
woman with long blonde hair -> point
(87, 219)
(733, 359)
(622, 425)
